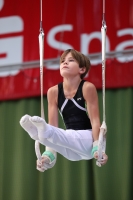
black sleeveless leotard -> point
(73, 111)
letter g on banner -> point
(11, 48)
(1, 4)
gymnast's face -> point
(69, 66)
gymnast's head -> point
(72, 60)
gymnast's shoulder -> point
(89, 86)
(52, 92)
(89, 89)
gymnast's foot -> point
(29, 127)
(41, 125)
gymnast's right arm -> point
(49, 156)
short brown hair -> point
(81, 59)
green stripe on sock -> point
(49, 154)
(94, 149)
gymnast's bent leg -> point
(79, 142)
(74, 145)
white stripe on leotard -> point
(63, 105)
(76, 104)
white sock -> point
(29, 127)
(41, 126)
(39, 122)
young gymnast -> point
(77, 102)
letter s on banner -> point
(58, 44)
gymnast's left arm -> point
(91, 98)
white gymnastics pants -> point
(73, 145)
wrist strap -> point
(95, 143)
(94, 149)
(49, 154)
